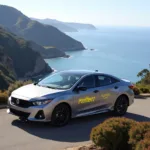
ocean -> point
(120, 51)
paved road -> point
(15, 135)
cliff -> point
(17, 57)
(47, 53)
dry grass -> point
(87, 147)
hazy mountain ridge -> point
(66, 26)
(81, 26)
(44, 35)
(58, 24)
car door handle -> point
(96, 91)
(116, 87)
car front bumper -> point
(34, 113)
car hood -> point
(32, 91)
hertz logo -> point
(86, 100)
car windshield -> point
(61, 80)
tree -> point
(143, 73)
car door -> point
(108, 90)
(84, 101)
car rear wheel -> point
(121, 106)
(61, 115)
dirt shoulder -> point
(86, 147)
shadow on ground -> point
(141, 97)
(77, 130)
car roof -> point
(82, 72)
(79, 72)
(86, 72)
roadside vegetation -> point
(121, 134)
(143, 86)
(6, 93)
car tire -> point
(121, 106)
(61, 115)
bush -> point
(3, 97)
(138, 133)
(136, 91)
(147, 135)
(144, 90)
(16, 85)
(143, 145)
(113, 133)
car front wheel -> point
(61, 115)
(121, 106)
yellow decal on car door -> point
(86, 100)
(105, 96)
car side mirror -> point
(81, 88)
(37, 81)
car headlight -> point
(41, 102)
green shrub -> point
(136, 91)
(144, 90)
(112, 134)
(3, 97)
(16, 85)
(138, 133)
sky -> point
(97, 12)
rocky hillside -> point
(7, 73)
(18, 58)
(47, 52)
(44, 35)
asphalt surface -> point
(16, 135)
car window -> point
(88, 82)
(103, 80)
(60, 80)
(113, 80)
(57, 78)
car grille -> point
(20, 102)
(19, 113)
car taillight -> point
(131, 87)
